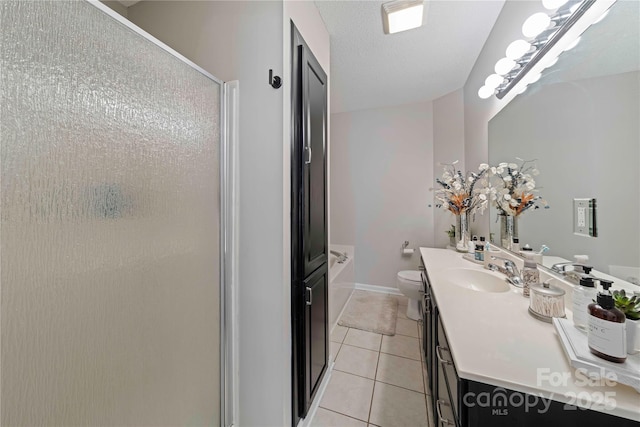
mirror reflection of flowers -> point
(460, 193)
(514, 191)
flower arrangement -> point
(515, 191)
(460, 193)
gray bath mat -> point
(371, 311)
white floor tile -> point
(400, 345)
(357, 361)
(396, 407)
(363, 339)
(338, 333)
(349, 395)
(401, 372)
(407, 327)
(326, 418)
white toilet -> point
(410, 284)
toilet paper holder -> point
(404, 251)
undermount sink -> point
(477, 280)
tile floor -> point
(377, 380)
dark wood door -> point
(314, 120)
(316, 330)
(309, 237)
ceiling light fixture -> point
(547, 35)
(402, 15)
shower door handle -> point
(309, 300)
(307, 148)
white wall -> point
(448, 146)
(382, 169)
(243, 40)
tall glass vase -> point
(463, 235)
(508, 230)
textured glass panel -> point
(109, 225)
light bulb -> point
(553, 4)
(517, 48)
(535, 24)
(504, 65)
(493, 81)
(534, 78)
(485, 92)
(604, 15)
(550, 62)
(572, 45)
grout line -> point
(344, 415)
(374, 386)
(404, 388)
(404, 357)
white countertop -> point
(494, 340)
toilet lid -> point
(411, 275)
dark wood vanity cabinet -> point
(461, 402)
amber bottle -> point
(607, 335)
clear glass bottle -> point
(583, 295)
(530, 275)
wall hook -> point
(274, 81)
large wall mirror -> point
(581, 124)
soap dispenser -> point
(583, 295)
(607, 335)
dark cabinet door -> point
(309, 237)
(314, 180)
(316, 330)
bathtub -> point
(341, 281)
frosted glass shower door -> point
(110, 249)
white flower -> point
(514, 203)
(471, 179)
(507, 178)
(535, 172)
(507, 197)
(483, 166)
(493, 170)
(457, 185)
(500, 169)
(502, 165)
(482, 197)
(530, 185)
(513, 166)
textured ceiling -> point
(370, 69)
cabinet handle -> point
(422, 268)
(439, 356)
(442, 419)
(310, 294)
(427, 304)
(308, 150)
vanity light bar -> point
(565, 25)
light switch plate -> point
(584, 217)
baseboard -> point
(376, 288)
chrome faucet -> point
(509, 269)
(579, 271)
(342, 257)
